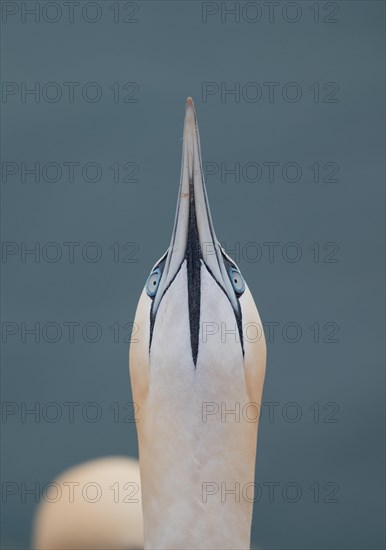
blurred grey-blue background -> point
(290, 102)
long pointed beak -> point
(193, 222)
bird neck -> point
(197, 461)
(186, 512)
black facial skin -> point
(193, 260)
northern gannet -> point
(191, 362)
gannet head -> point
(196, 309)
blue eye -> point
(236, 280)
(153, 282)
